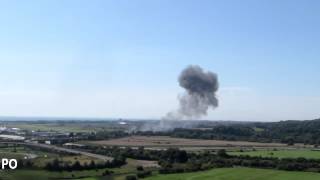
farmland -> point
(239, 174)
(69, 126)
(164, 141)
(159, 155)
(305, 153)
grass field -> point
(20, 152)
(45, 175)
(53, 127)
(11, 155)
(281, 153)
(67, 126)
(239, 174)
(120, 174)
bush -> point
(143, 174)
(222, 153)
(139, 168)
(107, 172)
(131, 177)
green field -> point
(67, 126)
(239, 174)
(45, 175)
(215, 174)
(281, 153)
(11, 155)
(19, 152)
(53, 127)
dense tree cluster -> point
(144, 174)
(172, 155)
(307, 132)
(290, 132)
(57, 165)
(25, 163)
(204, 161)
(103, 135)
(221, 132)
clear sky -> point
(122, 58)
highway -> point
(62, 149)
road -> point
(63, 149)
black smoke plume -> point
(200, 95)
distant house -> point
(11, 137)
(74, 145)
(3, 128)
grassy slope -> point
(45, 175)
(239, 174)
(215, 174)
(281, 153)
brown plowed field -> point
(164, 141)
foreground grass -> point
(281, 153)
(215, 174)
(239, 174)
(45, 175)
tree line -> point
(57, 165)
(290, 132)
(204, 161)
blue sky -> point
(122, 58)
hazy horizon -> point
(70, 118)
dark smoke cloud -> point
(200, 95)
